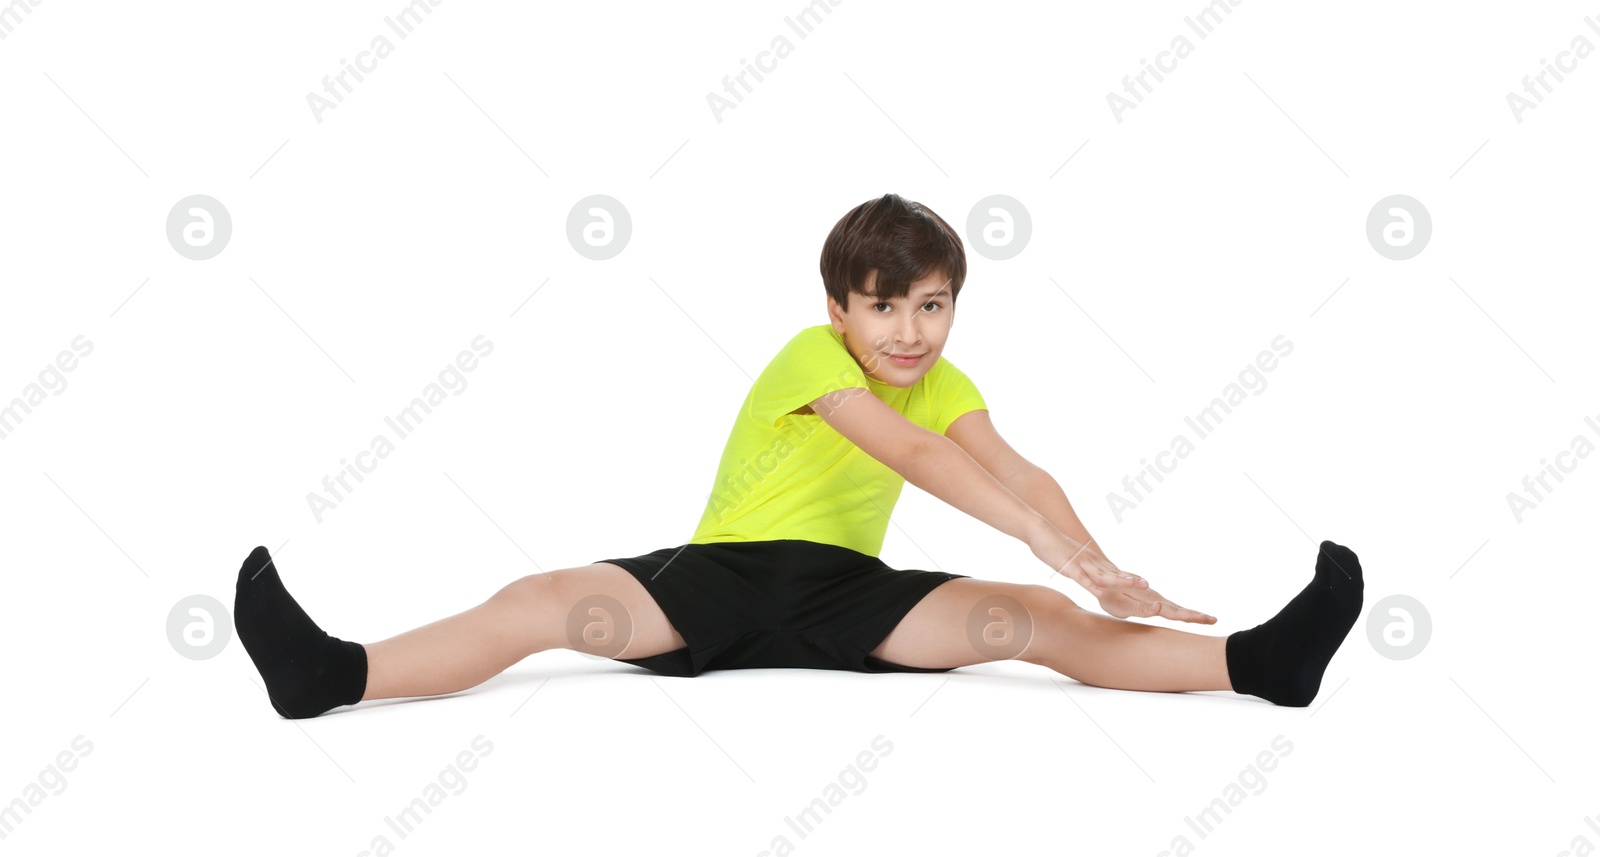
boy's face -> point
(916, 325)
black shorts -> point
(783, 603)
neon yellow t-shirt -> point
(790, 475)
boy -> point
(783, 569)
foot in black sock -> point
(307, 671)
(1282, 659)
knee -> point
(533, 596)
(533, 607)
(1052, 617)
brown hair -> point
(903, 240)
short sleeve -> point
(952, 394)
(811, 364)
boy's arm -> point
(975, 433)
(936, 464)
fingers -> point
(1159, 607)
(1169, 610)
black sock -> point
(307, 671)
(1282, 659)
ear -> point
(835, 314)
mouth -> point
(907, 359)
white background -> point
(369, 248)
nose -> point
(906, 337)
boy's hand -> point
(1148, 603)
(1085, 566)
(1120, 593)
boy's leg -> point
(1281, 660)
(532, 614)
(307, 671)
(970, 621)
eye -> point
(934, 303)
(881, 303)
